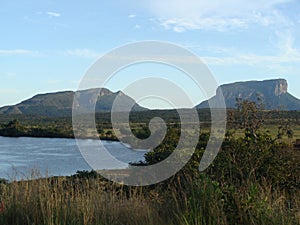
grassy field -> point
(272, 129)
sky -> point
(48, 45)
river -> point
(21, 157)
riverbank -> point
(104, 138)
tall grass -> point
(184, 200)
(85, 201)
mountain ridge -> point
(61, 103)
(273, 93)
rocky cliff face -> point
(250, 89)
(273, 93)
(281, 87)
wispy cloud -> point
(249, 59)
(131, 16)
(182, 15)
(17, 52)
(286, 44)
(194, 8)
(286, 54)
(53, 14)
(221, 24)
(87, 53)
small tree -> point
(249, 116)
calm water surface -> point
(54, 156)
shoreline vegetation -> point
(14, 129)
(255, 179)
(275, 122)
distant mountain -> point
(60, 103)
(273, 93)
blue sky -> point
(48, 45)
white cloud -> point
(250, 59)
(286, 44)
(194, 8)
(220, 24)
(53, 14)
(17, 52)
(284, 52)
(181, 15)
(287, 54)
(131, 16)
(87, 53)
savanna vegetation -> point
(255, 179)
